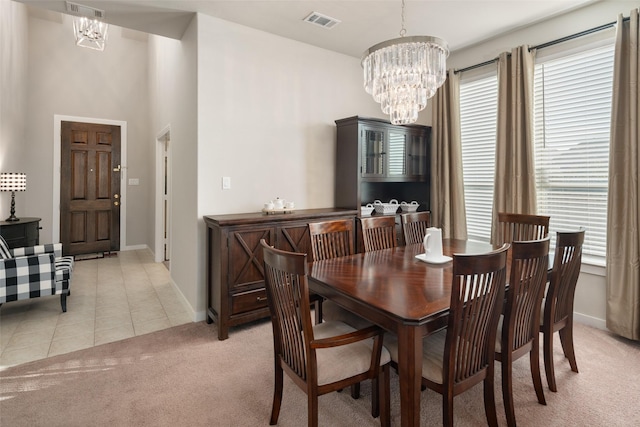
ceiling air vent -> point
(79, 9)
(322, 20)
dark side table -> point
(18, 234)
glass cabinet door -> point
(373, 152)
(397, 164)
(417, 156)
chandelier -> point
(90, 33)
(403, 73)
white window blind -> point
(572, 116)
(478, 108)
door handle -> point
(115, 196)
(117, 169)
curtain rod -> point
(547, 44)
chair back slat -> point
(331, 239)
(288, 296)
(476, 301)
(414, 226)
(519, 227)
(379, 233)
(564, 277)
(529, 266)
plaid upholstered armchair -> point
(34, 271)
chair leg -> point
(507, 390)
(447, 408)
(318, 310)
(277, 395)
(534, 361)
(63, 302)
(355, 390)
(313, 409)
(548, 360)
(489, 402)
(566, 339)
(376, 394)
(384, 385)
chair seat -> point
(432, 354)
(331, 366)
(333, 312)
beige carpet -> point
(184, 376)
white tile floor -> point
(112, 298)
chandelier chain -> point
(403, 31)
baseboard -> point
(185, 303)
(590, 321)
(134, 247)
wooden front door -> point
(90, 188)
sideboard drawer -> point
(248, 301)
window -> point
(572, 116)
(478, 116)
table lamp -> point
(13, 181)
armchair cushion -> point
(34, 271)
(331, 361)
(27, 277)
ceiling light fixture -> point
(88, 29)
(90, 33)
(403, 73)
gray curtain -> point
(515, 184)
(447, 190)
(623, 225)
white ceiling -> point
(461, 23)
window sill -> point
(593, 266)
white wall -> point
(173, 98)
(68, 80)
(13, 97)
(590, 299)
(266, 111)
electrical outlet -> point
(226, 182)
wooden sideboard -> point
(22, 233)
(235, 269)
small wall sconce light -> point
(13, 181)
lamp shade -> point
(13, 181)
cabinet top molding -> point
(356, 119)
(259, 217)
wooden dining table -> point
(400, 293)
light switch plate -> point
(134, 181)
(226, 182)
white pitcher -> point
(433, 243)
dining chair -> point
(462, 355)
(379, 232)
(318, 358)
(518, 327)
(414, 226)
(519, 227)
(332, 239)
(558, 302)
(329, 239)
